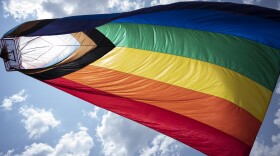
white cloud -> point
(164, 146)
(261, 149)
(37, 121)
(92, 114)
(251, 1)
(37, 149)
(70, 144)
(21, 9)
(277, 120)
(121, 137)
(277, 90)
(125, 5)
(9, 153)
(42, 9)
(159, 2)
(8, 102)
(162, 2)
(74, 144)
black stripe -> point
(251, 10)
(104, 45)
(36, 27)
(81, 23)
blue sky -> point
(37, 119)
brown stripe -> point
(210, 110)
(28, 27)
(86, 43)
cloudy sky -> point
(37, 119)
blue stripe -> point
(74, 24)
(87, 22)
(253, 28)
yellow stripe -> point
(191, 74)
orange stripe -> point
(186, 130)
(210, 110)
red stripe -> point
(193, 133)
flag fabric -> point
(202, 73)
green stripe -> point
(251, 59)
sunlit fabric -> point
(44, 51)
(202, 73)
